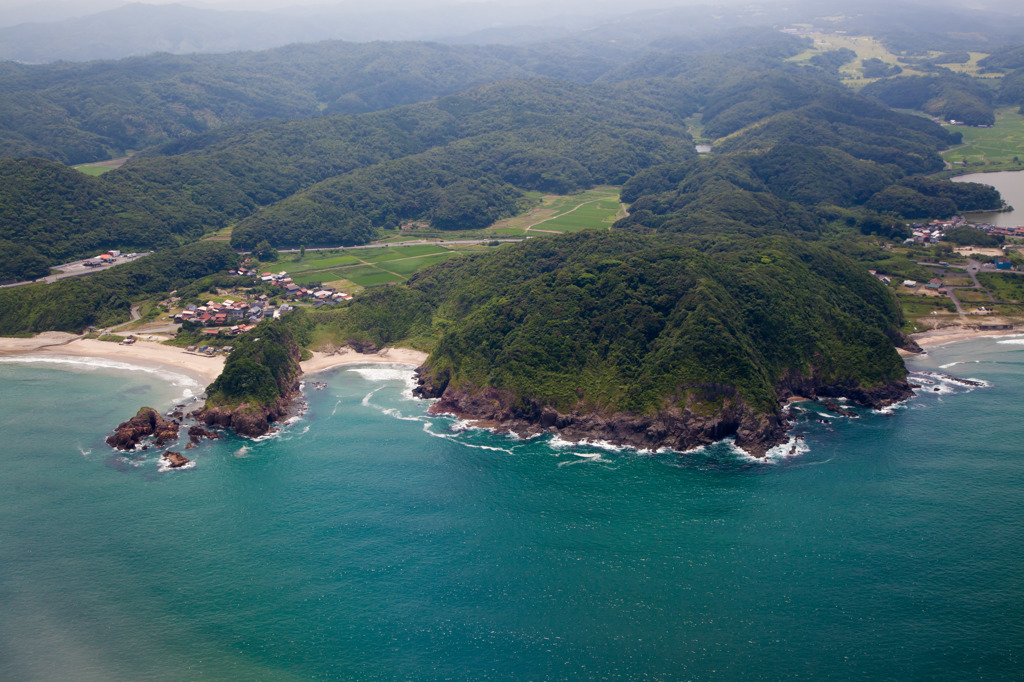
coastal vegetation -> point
(681, 308)
(106, 298)
(618, 324)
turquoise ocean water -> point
(369, 542)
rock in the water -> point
(197, 433)
(147, 422)
(176, 460)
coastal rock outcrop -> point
(175, 460)
(677, 427)
(147, 422)
(258, 384)
(197, 433)
(248, 419)
(683, 425)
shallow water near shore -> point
(368, 541)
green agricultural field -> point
(377, 255)
(1002, 144)
(972, 296)
(321, 276)
(334, 262)
(594, 215)
(407, 266)
(551, 207)
(1004, 287)
(93, 170)
(408, 251)
(918, 306)
(368, 276)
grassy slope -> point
(1000, 144)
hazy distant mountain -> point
(140, 29)
(144, 29)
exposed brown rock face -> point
(248, 420)
(364, 347)
(679, 427)
(175, 459)
(147, 422)
(197, 433)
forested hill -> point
(790, 139)
(643, 341)
(76, 113)
(537, 134)
(50, 214)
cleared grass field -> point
(1004, 287)
(368, 267)
(407, 266)
(550, 207)
(378, 255)
(1001, 143)
(93, 170)
(369, 276)
(405, 251)
(335, 261)
(868, 47)
(597, 213)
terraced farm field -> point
(368, 267)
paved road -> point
(76, 269)
(973, 267)
(417, 242)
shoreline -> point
(203, 369)
(321, 361)
(147, 354)
(940, 337)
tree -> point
(265, 252)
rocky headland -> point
(682, 426)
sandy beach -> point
(940, 337)
(347, 356)
(203, 368)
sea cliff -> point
(259, 381)
(707, 417)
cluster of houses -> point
(932, 233)
(237, 316)
(321, 296)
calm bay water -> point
(370, 542)
(1011, 185)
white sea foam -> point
(165, 466)
(557, 442)
(188, 385)
(397, 414)
(403, 373)
(1012, 342)
(456, 439)
(891, 409)
(793, 447)
(585, 458)
(243, 452)
(959, 362)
